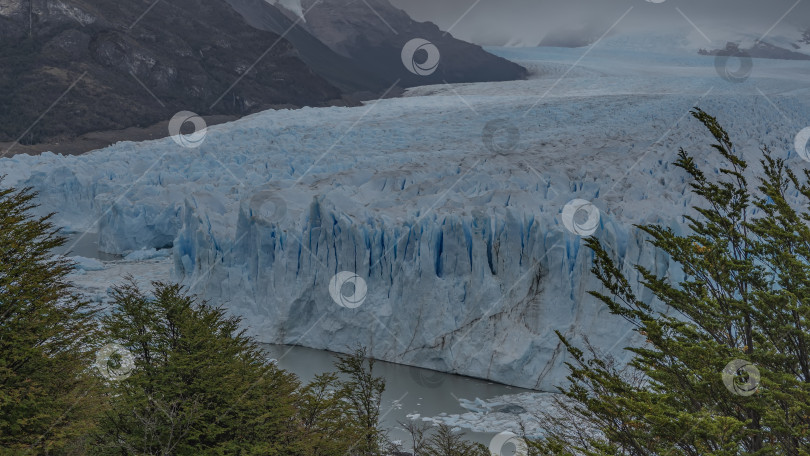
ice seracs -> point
(468, 262)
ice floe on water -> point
(516, 413)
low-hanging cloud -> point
(528, 22)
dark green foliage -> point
(444, 442)
(744, 296)
(440, 440)
(326, 418)
(363, 392)
(200, 386)
(46, 337)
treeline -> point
(160, 373)
(723, 368)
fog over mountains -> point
(529, 22)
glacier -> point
(468, 264)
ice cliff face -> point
(454, 245)
(479, 293)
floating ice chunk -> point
(87, 264)
(148, 254)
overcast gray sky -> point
(497, 22)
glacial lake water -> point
(85, 245)
(409, 390)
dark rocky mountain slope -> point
(136, 63)
(760, 50)
(71, 67)
(342, 71)
(372, 34)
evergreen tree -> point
(363, 392)
(200, 385)
(326, 418)
(445, 442)
(47, 337)
(725, 370)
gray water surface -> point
(85, 245)
(408, 389)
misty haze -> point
(405, 227)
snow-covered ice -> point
(96, 284)
(468, 265)
(516, 413)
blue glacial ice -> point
(468, 265)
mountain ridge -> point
(117, 65)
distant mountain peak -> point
(293, 6)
